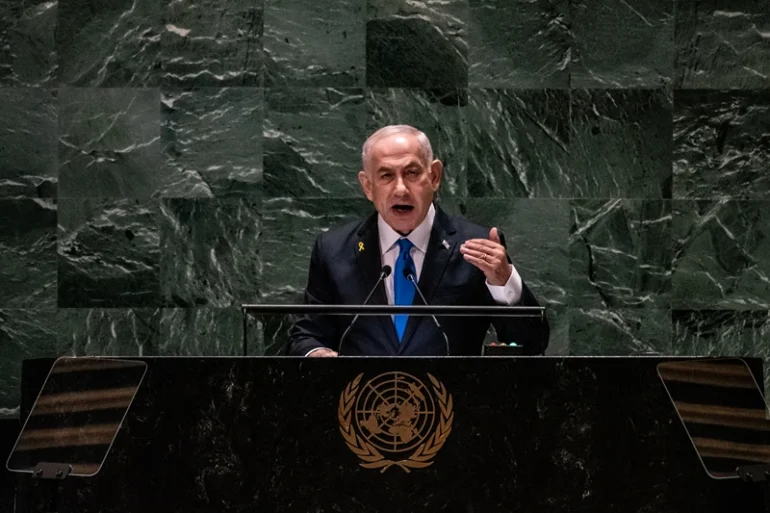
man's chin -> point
(402, 226)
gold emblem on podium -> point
(394, 419)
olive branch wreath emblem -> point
(371, 457)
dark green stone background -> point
(162, 162)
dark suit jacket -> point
(341, 274)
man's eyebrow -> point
(411, 163)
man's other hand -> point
(324, 352)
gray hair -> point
(426, 152)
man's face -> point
(399, 182)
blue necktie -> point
(403, 289)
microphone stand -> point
(409, 275)
(50, 475)
(384, 273)
(760, 474)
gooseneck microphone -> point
(384, 273)
(409, 275)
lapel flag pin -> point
(360, 246)
(445, 243)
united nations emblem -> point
(394, 419)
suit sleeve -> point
(314, 331)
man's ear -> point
(366, 184)
(436, 172)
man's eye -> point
(412, 172)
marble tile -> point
(28, 50)
(721, 255)
(109, 143)
(28, 253)
(521, 44)
(212, 43)
(268, 334)
(621, 144)
(536, 232)
(417, 44)
(108, 253)
(722, 333)
(440, 114)
(620, 254)
(722, 45)
(312, 142)
(115, 44)
(212, 142)
(203, 332)
(28, 136)
(619, 332)
(721, 145)
(291, 226)
(519, 143)
(622, 44)
(108, 332)
(309, 43)
(558, 322)
(24, 333)
(210, 251)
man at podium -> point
(406, 249)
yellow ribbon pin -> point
(360, 246)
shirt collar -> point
(420, 236)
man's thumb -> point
(493, 235)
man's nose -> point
(401, 188)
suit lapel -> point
(441, 246)
(367, 252)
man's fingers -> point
(480, 250)
(482, 244)
(478, 262)
(481, 255)
(323, 353)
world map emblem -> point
(395, 419)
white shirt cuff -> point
(509, 293)
(314, 350)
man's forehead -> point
(388, 163)
(398, 151)
(396, 144)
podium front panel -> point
(398, 434)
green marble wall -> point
(162, 162)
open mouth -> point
(402, 209)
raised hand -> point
(489, 256)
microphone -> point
(409, 275)
(384, 273)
